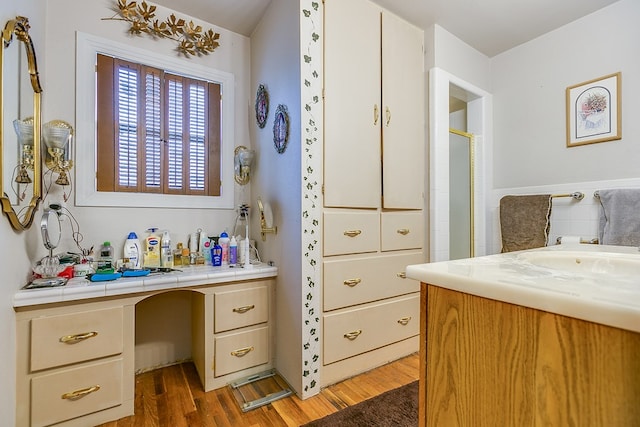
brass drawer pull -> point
(353, 335)
(402, 275)
(72, 339)
(403, 231)
(77, 394)
(388, 111)
(404, 321)
(242, 351)
(244, 309)
(352, 282)
(352, 233)
(376, 115)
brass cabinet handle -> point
(402, 275)
(352, 233)
(244, 309)
(403, 231)
(353, 334)
(376, 114)
(77, 394)
(72, 339)
(242, 351)
(404, 321)
(388, 113)
(352, 282)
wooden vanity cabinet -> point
(374, 173)
(75, 360)
(490, 363)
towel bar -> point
(578, 195)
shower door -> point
(461, 206)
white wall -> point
(275, 62)
(529, 82)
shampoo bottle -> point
(224, 244)
(216, 253)
(133, 251)
(205, 247)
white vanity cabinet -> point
(374, 173)
(374, 112)
(76, 358)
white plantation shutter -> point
(163, 128)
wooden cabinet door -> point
(403, 115)
(352, 158)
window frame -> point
(87, 48)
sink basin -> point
(585, 262)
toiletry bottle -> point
(224, 244)
(205, 247)
(166, 253)
(132, 250)
(186, 257)
(105, 260)
(216, 253)
(233, 251)
(177, 255)
(151, 257)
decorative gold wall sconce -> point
(266, 220)
(24, 130)
(242, 161)
(58, 137)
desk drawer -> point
(241, 350)
(402, 230)
(71, 338)
(358, 330)
(351, 232)
(240, 308)
(96, 387)
(361, 280)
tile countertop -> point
(596, 283)
(81, 289)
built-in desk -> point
(75, 343)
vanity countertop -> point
(596, 283)
(82, 289)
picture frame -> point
(594, 111)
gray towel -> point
(619, 222)
(524, 221)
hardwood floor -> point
(173, 397)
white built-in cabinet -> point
(374, 173)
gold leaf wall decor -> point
(191, 38)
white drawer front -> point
(351, 232)
(357, 281)
(240, 308)
(70, 338)
(355, 331)
(75, 392)
(402, 230)
(241, 350)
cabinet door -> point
(403, 114)
(352, 171)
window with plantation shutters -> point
(158, 132)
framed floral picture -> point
(594, 111)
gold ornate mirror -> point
(20, 92)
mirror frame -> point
(20, 28)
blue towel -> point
(619, 222)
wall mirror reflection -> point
(20, 91)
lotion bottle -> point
(223, 241)
(152, 249)
(133, 251)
